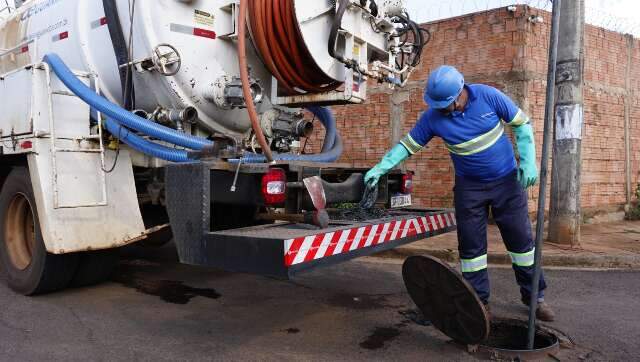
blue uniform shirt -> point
(479, 148)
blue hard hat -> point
(444, 86)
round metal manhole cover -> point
(446, 299)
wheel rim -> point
(20, 232)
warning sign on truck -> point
(204, 18)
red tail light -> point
(406, 187)
(274, 187)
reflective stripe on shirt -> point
(411, 145)
(520, 119)
(479, 143)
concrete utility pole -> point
(397, 99)
(565, 212)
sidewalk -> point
(610, 245)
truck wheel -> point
(30, 269)
(95, 267)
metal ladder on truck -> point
(55, 150)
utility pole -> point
(565, 210)
(397, 100)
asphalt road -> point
(156, 309)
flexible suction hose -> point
(147, 147)
(119, 114)
(246, 87)
(331, 128)
(333, 143)
(119, 119)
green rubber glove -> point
(392, 159)
(528, 171)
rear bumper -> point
(352, 241)
(282, 249)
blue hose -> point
(119, 118)
(147, 147)
(331, 155)
(122, 116)
(326, 117)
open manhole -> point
(451, 304)
(508, 340)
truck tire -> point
(95, 267)
(29, 268)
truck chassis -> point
(80, 212)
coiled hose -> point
(119, 114)
(277, 37)
(147, 147)
(333, 143)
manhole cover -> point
(446, 299)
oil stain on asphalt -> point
(379, 337)
(170, 291)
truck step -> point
(285, 249)
(282, 249)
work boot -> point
(543, 312)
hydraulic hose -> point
(331, 129)
(343, 5)
(277, 37)
(122, 52)
(144, 146)
(246, 87)
(119, 114)
(331, 155)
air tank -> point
(197, 38)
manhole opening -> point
(511, 335)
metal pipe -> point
(318, 218)
(246, 87)
(141, 113)
(175, 116)
(548, 122)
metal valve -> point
(165, 59)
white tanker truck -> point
(126, 121)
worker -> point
(471, 119)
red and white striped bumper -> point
(358, 239)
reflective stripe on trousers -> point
(523, 259)
(474, 265)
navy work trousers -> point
(507, 201)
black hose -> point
(122, 52)
(373, 7)
(335, 29)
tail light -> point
(406, 187)
(274, 187)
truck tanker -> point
(129, 121)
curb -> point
(576, 260)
